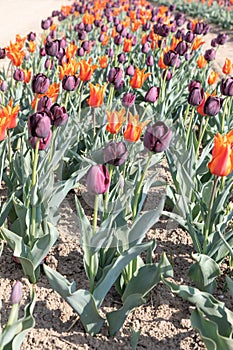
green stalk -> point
(80, 91)
(13, 315)
(110, 96)
(66, 99)
(94, 227)
(33, 183)
(186, 113)
(107, 192)
(9, 150)
(202, 132)
(208, 224)
(190, 126)
(224, 114)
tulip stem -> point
(13, 317)
(66, 99)
(208, 224)
(189, 127)
(94, 227)
(80, 91)
(202, 132)
(110, 96)
(9, 150)
(33, 183)
(224, 114)
(139, 187)
(106, 196)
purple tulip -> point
(157, 137)
(31, 36)
(88, 27)
(115, 75)
(209, 55)
(196, 96)
(213, 105)
(42, 52)
(82, 35)
(80, 52)
(222, 39)
(167, 74)
(181, 48)
(52, 47)
(43, 142)
(130, 70)
(189, 37)
(118, 39)
(98, 179)
(39, 124)
(214, 42)
(171, 59)
(59, 115)
(180, 19)
(3, 85)
(70, 82)
(150, 61)
(44, 103)
(128, 99)
(86, 45)
(145, 48)
(152, 94)
(121, 58)
(40, 83)
(115, 153)
(19, 74)
(16, 293)
(226, 87)
(110, 52)
(45, 24)
(2, 53)
(199, 28)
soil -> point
(164, 321)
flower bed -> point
(111, 92)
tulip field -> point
(116, 167)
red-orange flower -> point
(52, 92)
(128, 43)
(71, 50)
(115, 120)
(27, 75)
(31, 46)
(200, 108)
(227, 67)
(197, 43)
(86, 70)
(138, 78)
(201, 62)
(9, 115)
(222, 155)
(3, 126)
(134, 128)
(69, 68)
(212, 78)
(96, 98)
(103, 61)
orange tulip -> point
(9, 113)
(86, 70)
(115, 120)
(222, 155)
(128, 43)
(3, 126)
(88, 18)
(161, 63)
(71, 50)
(201, 62)
(227, 67)
(27, 75)
(138, 78)
(96, 98)
(197, 43)
(134, 128)
(103, 61)
(213, 77)
(106, 39)
(69, 68)
(31, 46)
(52, 92)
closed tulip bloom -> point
(214, 42)
(19, 75)
(222, 39)
(226, 87)
(42, 52)
(171, 59)
(134, 128)
(40, 83)
(167, 74)
(209, 55)
(39, 124)
(196, 96)
(45, 24)
(227, 67)
(199, 28)
(189, 37)
(213, 105)
(122, 58)
(115, 75)
(98, 179)
(31, 36)
(181, 48)
(130, 70)
(59, 115)
(80, 52)
(118, 40)
(145, 48)
(2, 53)
(115, 153)
(44, 103)
(128, 99)
(86, 45)
(52, 48)
(70, 82)
(16, 293)
(150, 61)
(49, 63)
(152, 94)
(139, 78)
(43, 142)
(222, 155)
(157, 137)
(3, 85)
(96, 98)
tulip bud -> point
(3, 86)
(171, 59)
(168, 74)
(86, 45)
(157, 137)
(209, 55)
(88, 27)
(118, 39)
(213, 105)
(110, 52)
(40, 83)
(80, 52)
(70, 82)
(152, 94)
(16, 293)
(45, 24)
(199, 27)
(39, 124)
(145, 48)
(189, 37)
(115, 75)
(52, 47)
(180, 19)
(122, 58)
(130, 70)
(2, 53)
(222, 39)
(226, 87)
(42, 52)
(115, 153)
(214, 42)
(44, 103)
(181, 48)
(128, 99)
(31, 36)
(59, 116)
(150, 61)
(196, 96)
(19, 75)
(98, 179)
(43, 142)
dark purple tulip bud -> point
(82, 35)
(181, 48)
(43, 142)
(42, 52)
(128, 99)
(52, 48)
(98, 179)
(81, 26)
(86, 45)
(214, 42)
(152, 94)
(145, 48)
(206, 29)
(59, 116)
(16, 293)
(19, 74)
(55, 13)
(150, 61)
(180, 19)
(222, 38)
(194, 84)
(180, 34)
(160, 20)
(88, 28)
(189, 37)
(146, 26)
(130, 70)
(116, 21)
(49, 63)
(98, 23)
(109, 19)
(119, 85)
(196, 96)
(171, 59)
(124, 32)
(189, 25)
(40, 83)
(187, 56)
(51, 36)
(70, 82)
(121, 58)
(45, 24)
(209, 55)
(167, 74)
(119, 28)
(39, 124)
(115, 153)
(44, 103)
(80, 52)
(118, 39)
(199, 28)
(3, 86)
(104, 28)
(2, 53)
(115, 75)
(157, 137)
(173, 28)
(172, 7)
(31, 36)
(63, 42)
(226, 87)
(134, 40)
(101, 38)
(213, 105)
(164, 30)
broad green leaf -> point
(230, 284)
(81, 300)
(117, 318)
